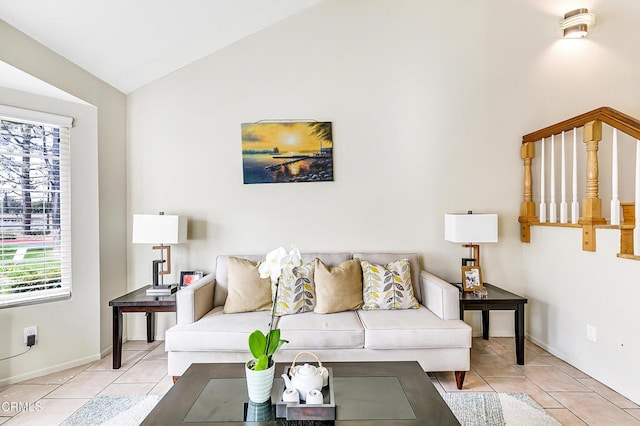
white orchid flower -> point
(277, 261)
(293, 259)
(272, 266)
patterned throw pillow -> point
(387, 287)
(297, 291)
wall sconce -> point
(576, 23)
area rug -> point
(113, 411)
(488, 408)
(470, 408)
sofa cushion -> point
(385, 258)
(339, 288)
(220, 295)
(412, 329)
(387, 286)
(309, 331)
(217, 331)
(296, 291)
(247, 291)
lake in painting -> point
(278, 152)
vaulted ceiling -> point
(130, 43)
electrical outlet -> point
(29, 331)
(591, 333)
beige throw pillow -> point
(247, 292)
(339, 288)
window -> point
(35, 225)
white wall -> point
(72, 332)
(66, 329)
(406, 106)
(429, 101)
(545, 80)
(569, 288)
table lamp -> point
(160, 229)
(471, 229)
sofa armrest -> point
(440, 297)
(195, 300)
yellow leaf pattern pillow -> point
(297, 291)
(387, 287)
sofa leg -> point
(460, 378)
(175, 379)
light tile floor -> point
(565, 392)
(568, 394)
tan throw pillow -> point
(388, 286)
(247, 292)
(339, 288)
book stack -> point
(162, 290)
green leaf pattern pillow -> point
(387, 287)
(297, 291)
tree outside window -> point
(33, 247)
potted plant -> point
(260, 370)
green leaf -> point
(274, 342)
(257, 343)
(262, 362)
(279, 344)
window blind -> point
(35, 208)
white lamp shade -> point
(471, 228)
(159, 229)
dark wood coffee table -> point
(192, 400)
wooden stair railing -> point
(591, 215)
(626, 229)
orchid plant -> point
(262, 346)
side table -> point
(500, 300)
(137, 301)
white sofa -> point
(433, 335)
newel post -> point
(527, 207)
(592, 204)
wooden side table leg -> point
(151, 326)
(117, 337)
(485, 324)
(519, 331)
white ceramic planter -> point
(259, 383)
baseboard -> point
(49, 370)
(546, 347)
(106, 351)
(479, 334)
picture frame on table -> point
(188, 277)
(471, 278)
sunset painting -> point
(277, 152)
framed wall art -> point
(283, 151)
(188, 277)
(471, 278)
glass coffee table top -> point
(360, 398)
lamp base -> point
(162, 290)
(475, 253)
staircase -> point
(546, 204)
